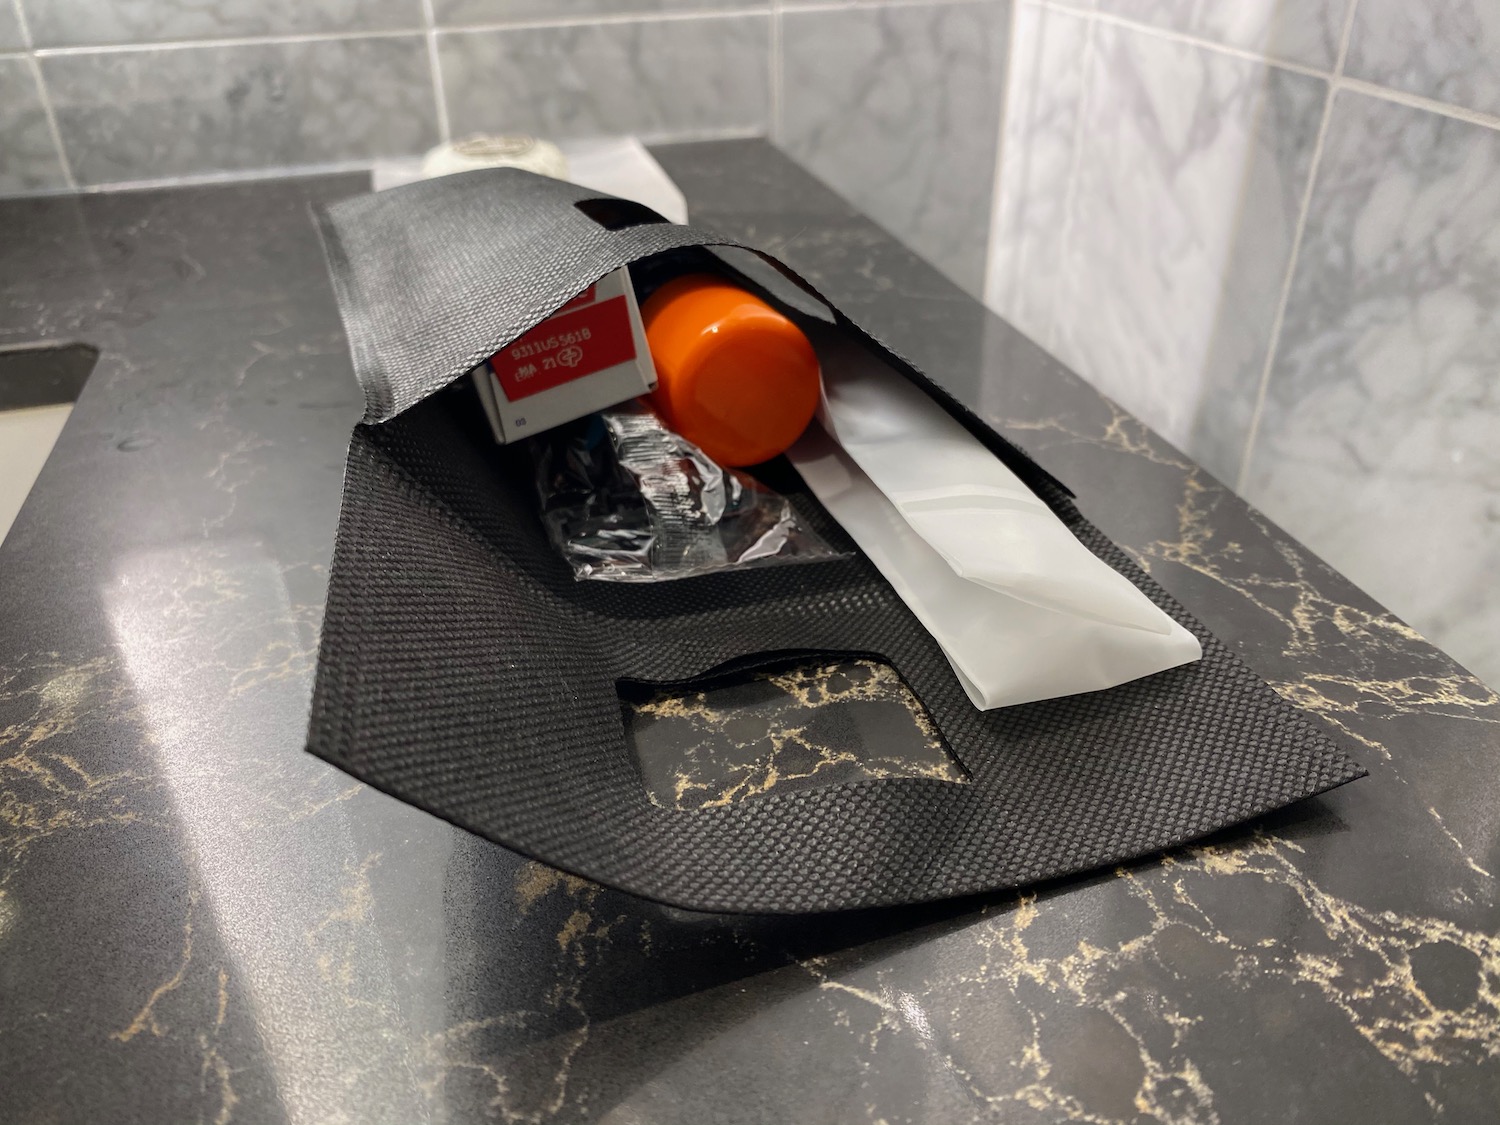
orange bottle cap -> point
(734, 376)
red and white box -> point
(589, 355)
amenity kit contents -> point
(625, 499)
(648, 490)
(464, 668)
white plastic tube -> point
(1022, 609)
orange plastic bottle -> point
(734, 376)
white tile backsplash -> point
(1447, 50)
(1154, 191)
(82, 23)
(11, 37)
(139, 115)
(1379, 445)
(1038, 149)
(653, 78)
(1146, 230)
(29, 160)
(1302, 31)
(898, 108)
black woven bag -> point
(462, 669)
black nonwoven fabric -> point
(464, 670)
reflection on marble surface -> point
(799, 728)
(28, 156)
(1181, 209)
(898, 108)
(1443, 49)
(652, 78)
(1378, 440)
(176, 613)
(450, 13)
(148, 114)
(1299, 31)
(75, 23)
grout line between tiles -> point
(234, 41)
(435, 65)
(1273, 343)
(23, 26)
(775, 71)
(1182, 37)
(45, 95)
(727, 133)
(51, 115)
(1065, 235)
(407, 32)
(238, 176)
(987, 292)
(793, 7)
(299, 171)
(1417, 101)
(601, 19)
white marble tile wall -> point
(894, 102)
(1273, 231)
(1379, 441)
(1302, 31)
(29, 159)
(655, 78)
(897, 106)
(81, 23)
(11, 36)
(95, 93)
(1156, 211)
(174, 112)
(1448, 50)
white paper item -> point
(618, 166)
(621, 166)
(1023, 610)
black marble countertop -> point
(200, 922)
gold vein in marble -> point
(707, 764)
(215, 1071)
(339, 952)
(146, 1018)
(470, 1045)
(1354, 959)
(45, 788)
(1123, 433)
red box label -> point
(564, 347)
